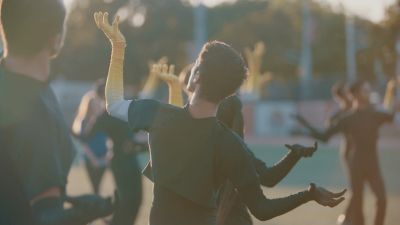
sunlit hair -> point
(222, 71)
(28, 25)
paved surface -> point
(324, 169)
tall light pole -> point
(306, 54)
(200, 27)
(350, 49)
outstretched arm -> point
(167, 74)
(390, 94)
(271, 176)
(115, 103)
(237, 166)
(265, 209)
(323, 136)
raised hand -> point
(325, 197)
(303, 151)
(111, 31)
(166, 73)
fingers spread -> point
(96, 19)
(105, 19)
(335, 202)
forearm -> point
(271, 176)
(315, 133)
(114, 90)
(266, 209)
(175, 94)
(115, 103)
(390, 93)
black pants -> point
(366, 171)
(128, 179)
(95, 176)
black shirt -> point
(191, 158)
(196, 145)
(36, 136)
(361, 128)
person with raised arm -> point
(231, 210)
(192, 153)
(360, 126)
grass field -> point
(324, 169)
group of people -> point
(202, 170)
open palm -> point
(111, 31)
(166, 73)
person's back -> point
(194, 144)
(36, 136)
(187, 145)
(34, 109)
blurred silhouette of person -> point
(37, 139)
(360, 126)
(97, 148)
(124, 163)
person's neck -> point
(201, 108)
(37, 67)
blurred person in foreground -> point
(124, 164)
(360, 126)
(192, 154)
(32, 125)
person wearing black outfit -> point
(361, 127)
(124, 165)
(231, 210)
(34, 134)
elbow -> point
(262, 216)
(112, 108)
(262, 212)
(268, 183)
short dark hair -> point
(356, 86)
(339, 89)
(28, 25)
(222, 71)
